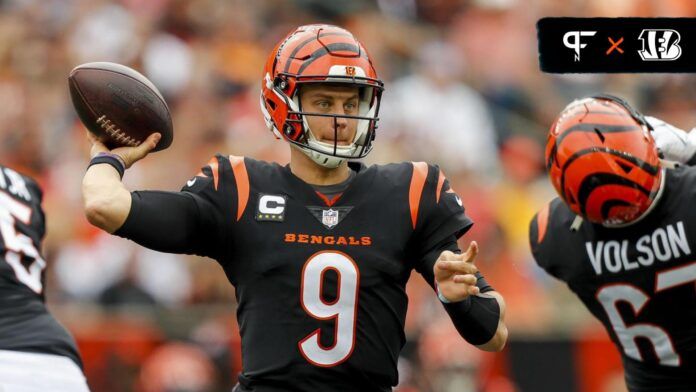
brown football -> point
(119, 105)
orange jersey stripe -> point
(215, 168)
(542, 222)
(241, 177)
(420, 172)
(440, 181)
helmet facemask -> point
(331, 154)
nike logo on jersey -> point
(190, 182)
(456, 197)
(663, 244)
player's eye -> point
(350, 107)
(324, 105)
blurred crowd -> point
(463, 90)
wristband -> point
(466, 302)
(111, 159)
(440, 296)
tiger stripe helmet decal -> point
(602, 160)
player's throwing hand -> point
(129, 155)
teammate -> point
(36, 352)
(319, 251)
(622, 235)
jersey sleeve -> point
(539, 241)
(437, 212)
(197, 220)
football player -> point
(622, 235)
(36, 352)
(320, 250)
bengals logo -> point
(350, 70)
(660, 45)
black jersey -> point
(25, 323)
(320, 282)
(639, 281)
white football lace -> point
(116, 133)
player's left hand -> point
(455, 273)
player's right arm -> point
(107, 202)
(176, 222)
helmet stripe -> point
(650, 169)
(590, 127)
(325, 50)
(305, 42)
(594, 181)
(609, 204)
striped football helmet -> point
(320, 54)
(603, 162)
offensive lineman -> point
(36, 353)
(622, 235)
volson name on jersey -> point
(664, 244)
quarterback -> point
(320, 250)
(622, 235)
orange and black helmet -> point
(319, 54)
(603, 161)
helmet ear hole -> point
(280, 82)
(271, 104)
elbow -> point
(96, 212)
(107, 211)
(106, 204)
(498, 341)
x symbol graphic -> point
(615, 45)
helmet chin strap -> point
(324, 160)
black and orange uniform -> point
(638, 280)
(25, 323)
(320, 280)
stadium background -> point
(463, 89)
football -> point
(119, 105)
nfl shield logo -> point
(329, 218)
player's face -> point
(331, 99)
